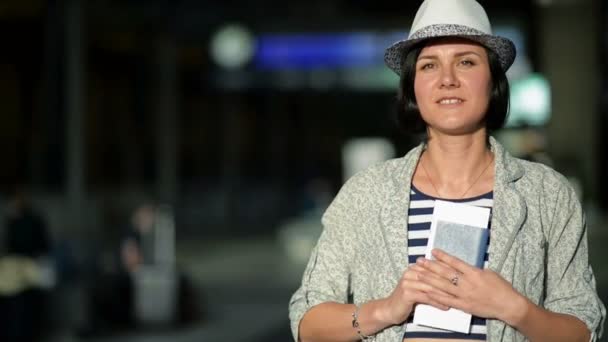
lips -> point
(450, 100)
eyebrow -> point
(459, 54)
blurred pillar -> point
(232, 106)
(278, 128)
(167, 120)
(74, 83)
(603, 127)
(45, 126)
(568, 42)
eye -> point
(427, 66)
(467, 62)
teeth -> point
(450, 101)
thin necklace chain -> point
(469, 188)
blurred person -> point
(112, 295)
(111, 292)
(364, 278)
(27, 245)
(138, 249)
(26, 230)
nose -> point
(449, 78)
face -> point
(453, 85)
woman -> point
(365, 276)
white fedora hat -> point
(451, 18)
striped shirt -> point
(420, 213)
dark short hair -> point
(408, 115)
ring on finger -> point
(455, 278)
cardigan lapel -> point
(509, 210)
(508, 214)
(393, 215)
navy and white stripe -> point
(420, 213)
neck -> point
(455, 162)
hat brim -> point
(503, 47)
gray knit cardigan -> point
(538, 243)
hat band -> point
(441, 30)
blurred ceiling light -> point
(530, 101)
(232, 46)
(360, 153)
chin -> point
(459, 130)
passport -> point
(468, 243)
(460, 230)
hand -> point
(481, 292)
(131, 256)
(410, 291)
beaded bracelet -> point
(356, 325)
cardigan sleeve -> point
(570, 284)
(327, 274)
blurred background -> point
(166, 162)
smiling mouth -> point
(450, 101)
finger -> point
(420, 271)
(410, 275)
(452, 261)
(447, 266)
(426, 267)
(439, 282)
(412, 272)
(447, 301)
(415, 268)
(432, 302)
(421, 294)
(438, 268)
(412, 286)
